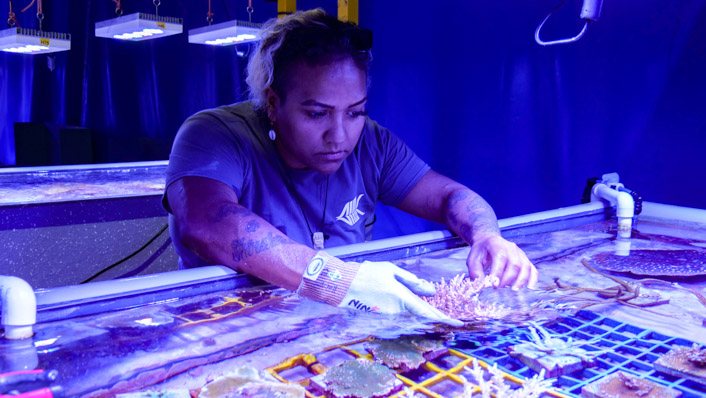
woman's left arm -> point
(443, 200)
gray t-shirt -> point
(230, 144)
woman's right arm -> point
(215, 227)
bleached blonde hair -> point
(275, 51)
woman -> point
(260, 186)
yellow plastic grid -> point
(232, 305)
(314, 367)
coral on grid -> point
(696, 355)
(496, 385)
(458, 298)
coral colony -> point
(496, 385)
(249, 382)
(406, 353)
(624, 385)
(686, 362)
(547, 352)
(458, 298)
(357, 378)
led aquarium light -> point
(139, 26)
(225, 33)
(30, 41)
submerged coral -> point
(552, 354)
(358, 378)
(686, 362)
(458, 298)
(696, 355)
(405, 353)
(656, 262)
(249, 382)
(546, 342)
(496, 385)
(493, 384)
(625, 385)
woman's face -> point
(322, 115)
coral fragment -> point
(624, 385)
(458, 298)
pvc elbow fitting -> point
(19, 307)
(624, 202)
(625, 206)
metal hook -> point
(209, 20)
(40, 18)
(590, 12)
(156, 3)
(560, 41)
(250, 11)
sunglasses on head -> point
(360, 39)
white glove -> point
(369, 286)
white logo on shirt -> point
(350, 213)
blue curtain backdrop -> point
(463, 83)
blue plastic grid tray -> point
(627, 348)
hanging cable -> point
(40, 13)
(30, 5)
(156, 3)
(250, 10)
(209, 14)
(12, 18)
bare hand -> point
(507, 262)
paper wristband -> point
(327, 279)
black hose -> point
(133, 254)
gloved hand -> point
(369, 286)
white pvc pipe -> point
(407, 240)
(623, 200)
(659, 210)
(549, 214)
(19, 307)
(387, 243)
(119, 286)
(625, 206)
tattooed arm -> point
(214, 226)
(440, 199)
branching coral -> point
(543, 341)
(458, 298)
(696, 355)
(552, 354)
(496, 386)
